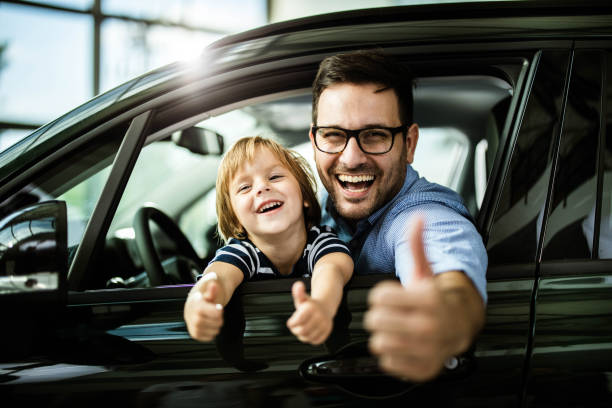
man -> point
(395, 222)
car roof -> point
(476, 12)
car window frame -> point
(171, 107)
(593, 266)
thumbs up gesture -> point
(411, 327)
(311, 322)
(202, 312)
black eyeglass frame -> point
(355, 133)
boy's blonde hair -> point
(244, 151)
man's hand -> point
(311, 322)
(204, 317)
(415, 329)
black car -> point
(514, 100)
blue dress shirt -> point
(379, 243)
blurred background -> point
(57, 54)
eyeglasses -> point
(375, 140)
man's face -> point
(357, 182)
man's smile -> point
(356, 183)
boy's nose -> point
(262, 187)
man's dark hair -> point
(365, 67)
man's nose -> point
(352, 156)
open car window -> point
(181, 183)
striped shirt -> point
(255, 265)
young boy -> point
(268, 214)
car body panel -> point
(546, 324)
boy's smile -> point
(269, 206)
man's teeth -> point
(270, 205)
(345, 178)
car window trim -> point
(556, 144)
(512, 127)
(161, 133)
(101, 217)
(295, 73)
(601, 146)
(586, 268)
(179, 292)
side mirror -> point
(33, 271)
(199, 140)
(34, 252)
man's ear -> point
(412, 137)
(311, 136)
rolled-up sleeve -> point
(452, 243)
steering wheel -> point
(144, 241)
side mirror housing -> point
(34, 254)
(33, 272)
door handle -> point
(354, 369)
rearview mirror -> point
(199, 140)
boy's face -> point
(359, 183)
(267, 199)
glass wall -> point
(57, 54)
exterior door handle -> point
(354, 369)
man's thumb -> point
(298, 291)
(422, 269)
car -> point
(107, 216)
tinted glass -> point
(605, 230)
(569, 228)
(77, 180)
(514, 234)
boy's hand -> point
(204, 317)
(311, 322)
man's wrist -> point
(465, 312)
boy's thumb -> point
(298, 291)
(211, 291)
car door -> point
(129, 344)
(255, 356)
(571, 356)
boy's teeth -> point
(345, 178)
(269, 205)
